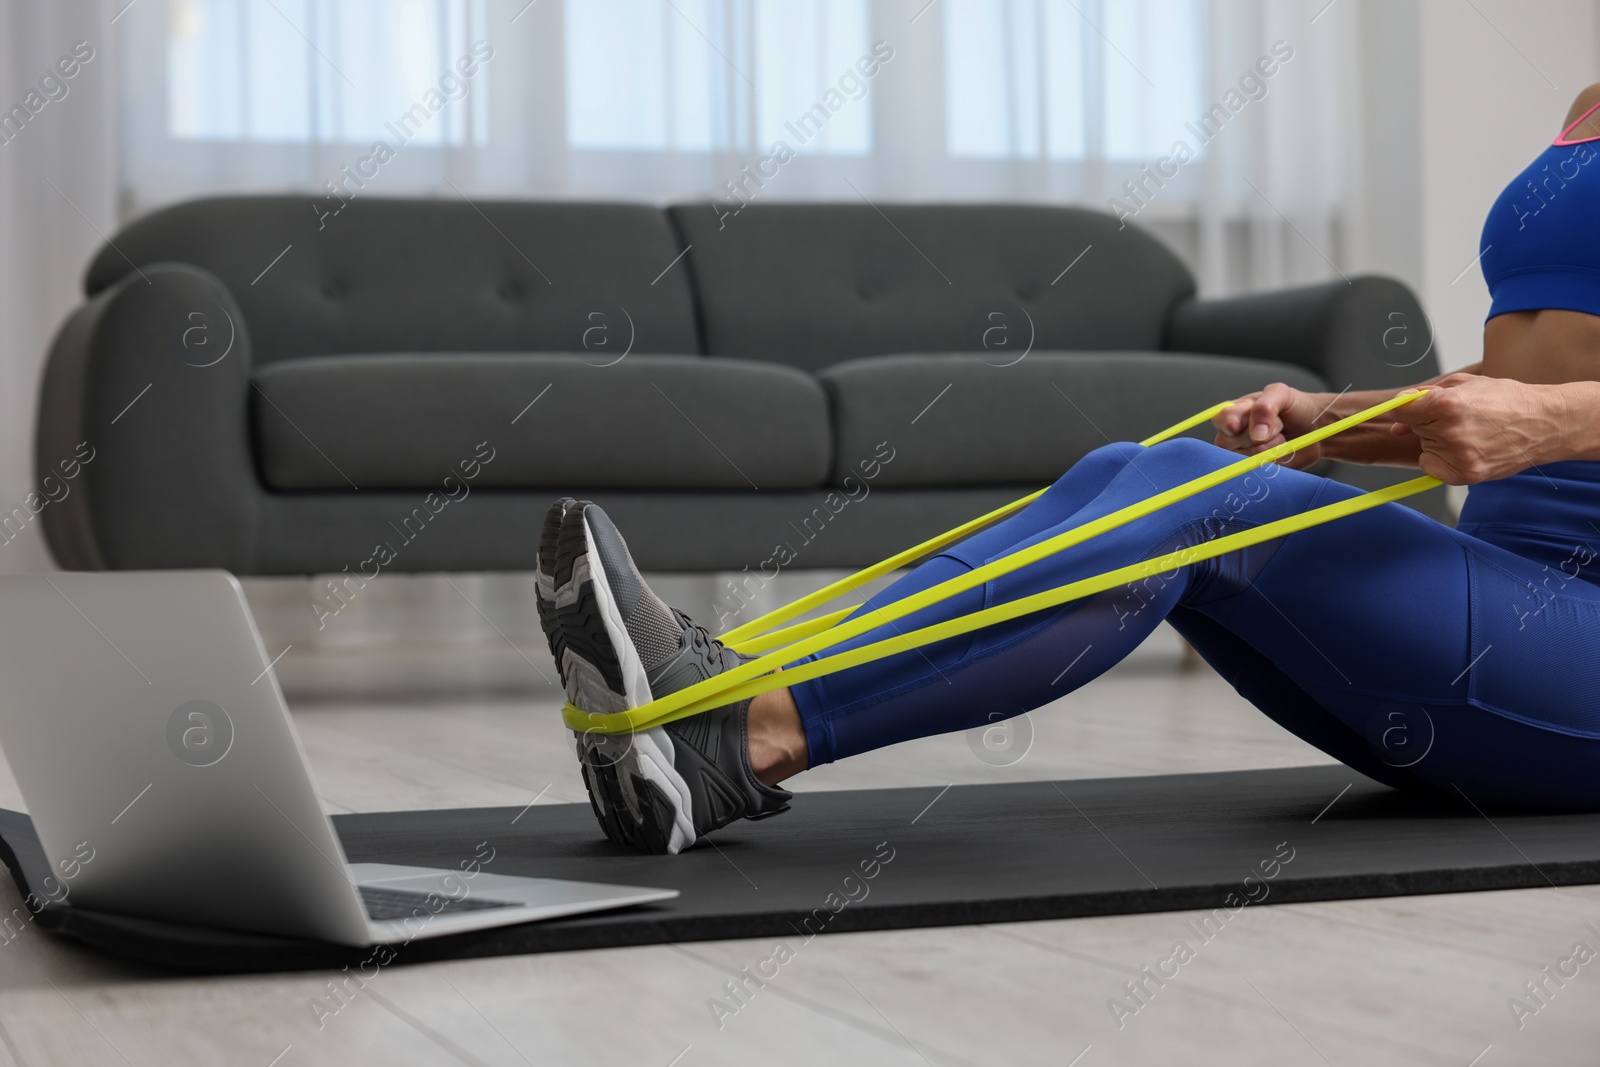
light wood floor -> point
(1418, 980)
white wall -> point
(1494, 96)
(1456, 99)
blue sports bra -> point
(1541, 249)
(1541, 242)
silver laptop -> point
(142, 720)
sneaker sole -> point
(545, 594)
(544, 580)
(637, 793)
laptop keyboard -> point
(386, 904)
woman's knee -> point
(1143, 470)
(1097, 467)
(1191, 456)
(1254, 496)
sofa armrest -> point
(1367, 333)
(142, 447)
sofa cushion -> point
(445, 275)
(960, 419)
(815, 284)
(405, 421)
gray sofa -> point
(407, 384)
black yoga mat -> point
(895, 858)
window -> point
(1023, 79)
(1069, 79)
(716, 75)
(312, 71)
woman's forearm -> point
(1580, 415)
(1372, 442)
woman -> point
(1461, 661)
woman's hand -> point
(1476, 429)
(1266, 419)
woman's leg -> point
(779, 747)
(1359, 636)
(1003, 670)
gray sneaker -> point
(661, 789)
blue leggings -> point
(1414, 653)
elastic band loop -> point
(851, 583)
(632, 721)
(790, 634)
(738, 637)
(673, 705)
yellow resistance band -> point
(742, 638)
(755, 677)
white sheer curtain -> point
(1060, 101)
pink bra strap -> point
(1562, 140)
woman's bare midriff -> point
(1549, 347)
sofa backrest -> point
(809, 285)
(816, 284)
(415, 275)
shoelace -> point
(700, 637)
